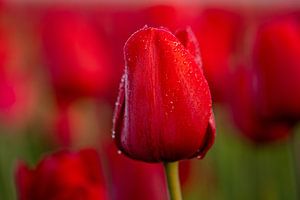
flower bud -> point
(164, 104)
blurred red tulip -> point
(80, 123)
(18, 90)
(164, 103)
(246, 114)
(218, 32)
(134, 180)
(277, 65)
(62, 126)
(7, 96)
(118, 24)
(76, 55)
(137, 180)
(172, 17)
(185, 173)
(18, 98)
(63, 175)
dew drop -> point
(172, 108)
(119, 152)
(176, 43)
(199, 157)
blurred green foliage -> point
(234, 169)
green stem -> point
(295, 162)
(172, 174)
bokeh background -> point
(60, 67)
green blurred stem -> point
(172, 174)
(296, 162)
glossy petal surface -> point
(164, 102)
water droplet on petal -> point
(119, 152)
(113, 135)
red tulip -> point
(18, 91)
(246, 114)
(79, 124)
(164, 103)
(134, 180)
(190, 42)
(137, 180)
(218, 32)
(277, 65)
(169, 16)
(62, 126)
(76, 55)
(118, 24)
(18, 99)
(63, 175)
(7, 96)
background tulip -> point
(76, 106)
(63, 175)
(219, 32)
(277, 64)
(131, 181)
(75, 55)
(246, 114)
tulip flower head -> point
(164, 109)
(76, 56)
(218, 32)
(245, 113)
(63, 175)
(277, 64)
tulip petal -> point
(167, 103)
